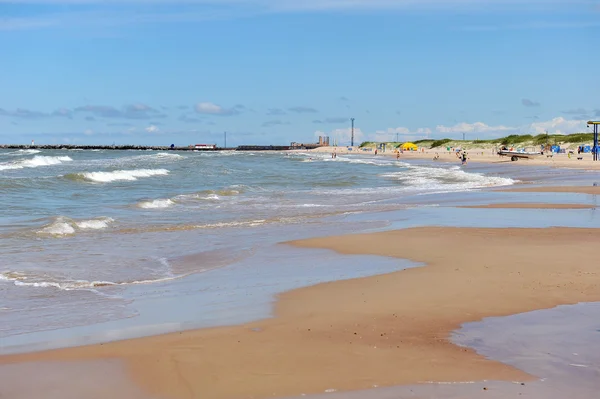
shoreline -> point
(483, 155)
(335, 322)
(528, 205)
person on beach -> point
(397, 155)
(464, 158)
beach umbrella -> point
(409, 147)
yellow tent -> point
(409, 147)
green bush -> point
(516, 139)
(439, 143)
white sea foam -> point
(453, 178)
(156, 204)
(249, 223)
(29, 280)
(167, 155)
(122, 175)
(58, 228)
(63, 226)
(36, 161)
(25, 152)
(94, 224)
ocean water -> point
(85, 236)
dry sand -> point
(382, 330)
(478, 155)
(528, 205)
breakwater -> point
(140, 147)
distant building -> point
(323, 141)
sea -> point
(102, 244)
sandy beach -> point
(378, 331)
(483, 155)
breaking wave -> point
(30, 280)
(24, 152)
(36, 161)
(445, 179)
(117, 175)
(156, 204)
(63, 226)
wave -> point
(167, 155)
(24, 152)
(206, 195)
(117, 175)
(159, 157)
(63, 226)
(36, 161)
(156, 204)
(20, 279)
(213, 195)
(453, 178)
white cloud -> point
(559, 125)
(477, 127)
(152, 129)
(208, 108)
(390, 134)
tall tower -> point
(352, 140)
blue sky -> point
(275, 71)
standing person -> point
(464, 158)
(397, 155)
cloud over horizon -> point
(303, 110)
(132, 111)
(208, 108)
(558, 125)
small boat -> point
(515, 155)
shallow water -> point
(559, 346)
(78, 228)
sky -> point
(161, 72)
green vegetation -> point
(514, 140)
(423, 142)
(440, 143)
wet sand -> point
(527, 205)
(384, 330)
(592, 190)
